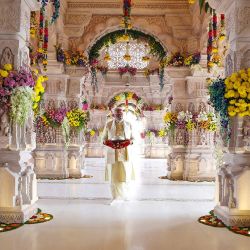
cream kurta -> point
(119, 168)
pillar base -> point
(17, 215)
(233, 217)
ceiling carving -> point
(171, 21)
(155, 4)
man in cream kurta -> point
(119, 167)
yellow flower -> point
(230, 94)
(190, 125)
(118, 98)
(242, 89)
(230, 85)
(236, 95)
(236, 84)
(4, 73)
(35, 71)
(231, 108)
(92, 132)
(167, 117)
(162, 133)
(233, 77)
(243, 95)
(232, 113)
(227, 81)
(40, 50)
(232, 102)
(37, 98)
(35, 105)
(244, 76)
(7, 67)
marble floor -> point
(135, 225)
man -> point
(119, 167)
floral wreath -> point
(126, 97)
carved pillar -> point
(233, 207)
(18, 193)
(192, 151)
(53, 159)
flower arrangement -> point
(123, 70)
(155, 133)
(237, 92)
(125, 97)
(77, 119)
(98, 106)
(176, 60)
(67, 119)
(126, 22)
(152, 107)
(19, 92)
(192, 59)
(179, 60)
(147, 72)
(85, 105)
(71, 57)
(189, 121)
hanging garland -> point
(125, 97)
(209, 46)
(42, 51)
(156, 49)
(56, 11)
(126, 23)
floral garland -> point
(125, 97)
(70, 57)
(95, 106)
(152, 107)
(20, 91)
(42, 52)
(123, 70)
(188, 121)
(126, 23)
(156, 48)
(179, 60)
(154, 133)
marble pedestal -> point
(18, 189)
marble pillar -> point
(191, 156)
(233, 206)
(18, 194)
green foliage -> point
(156, 48)
(21, 104)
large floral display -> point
(69, 120)
(20, 92)
(231, 97)
(186, 120)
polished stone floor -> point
(136, 225)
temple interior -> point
(178, 70)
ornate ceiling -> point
(171, 21)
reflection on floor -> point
(136, 225)
(148, 185)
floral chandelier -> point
(126, 53)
